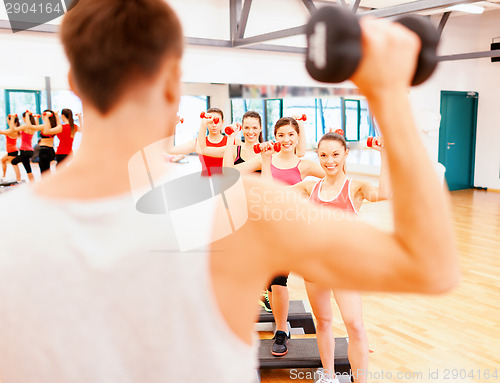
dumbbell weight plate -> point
(334, 44)
(429, 36)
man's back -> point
(96, 291)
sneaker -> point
(280, 343)
(328, 380)
(264, 302)
(325, 377)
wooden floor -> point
(450, 338)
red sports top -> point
(26, 141)
(65, 140)
(341, 201)
(212, 165)
(11, 144)
(288, 176)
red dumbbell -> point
(276, 146)
(36, 116)
(371, 140)
(181, 121)
(339, 132)
(215, 120)
(303, 118)
(229, 129)
(47, 114)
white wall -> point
(464, 34)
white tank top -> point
(96, 292)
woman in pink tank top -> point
(337, 191)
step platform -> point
(6, 185)
(303, 353)
(298, 317)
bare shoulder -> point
(308, 186)
(357, 185)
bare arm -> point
(311, 168)
(371, 192)
(201, 143)
(300, 150)
(244, 168)
(47, 128)
(266, 157)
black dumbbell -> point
(334, 45)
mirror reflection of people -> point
(102, 293)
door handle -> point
(451, 143)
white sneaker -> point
(326, 378)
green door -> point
(457, 137)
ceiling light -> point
(469, 8)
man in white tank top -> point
(105, 287)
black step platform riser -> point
(298, 317)
(303, 353)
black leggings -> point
(24, 157)
(46, 155)
(61, 157)
(280, 280)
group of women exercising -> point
(283, 163)
(63, 127)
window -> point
(352, 117)
(190, 108)
(323, 115)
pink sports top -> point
(341, 201)
(26, 141)
(11, 144)
(288, 176)
(212, 165)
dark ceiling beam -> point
(443, 21)
(415, 6)
(356, 6)
(242, 25)
(310, 6)
(234, 16)
(467, 56)
(270, 36)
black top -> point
(240, 160)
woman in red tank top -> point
(28, 129)
(337, 191)
(211, 160)
(66, 135)
(11, 136)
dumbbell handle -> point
(47, 114)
